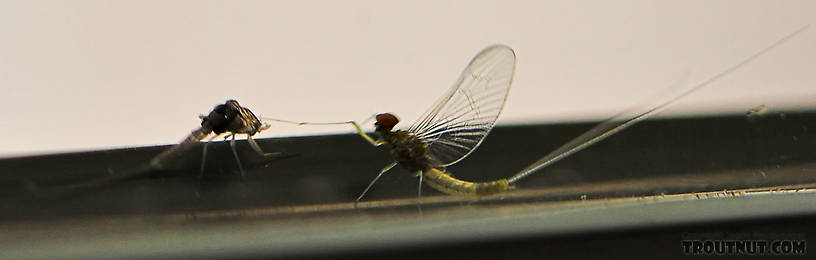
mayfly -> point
(229, 118)
(462, 118)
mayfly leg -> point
(252, 143)
(204, 156)
(419, 193)
(257, 148)
(250, 140)
(383, 171)
(356, 126)
(235, 153)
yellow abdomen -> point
(443, 182)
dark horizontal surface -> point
(316, 178)
(407, 234)
(662, 241)
(332, 169)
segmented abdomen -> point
(443, 182)
(159, 161)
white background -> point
(80, 75)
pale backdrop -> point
(81, 75)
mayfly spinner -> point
(460, 121)
(229, 118)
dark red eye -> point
(386, 121)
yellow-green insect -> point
(460, 121)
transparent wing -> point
(461, 119)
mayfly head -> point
(385, 122)
(221, 117)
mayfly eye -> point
(386, 121)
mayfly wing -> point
(461, 119)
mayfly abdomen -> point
(185, 145)
(443, 182)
